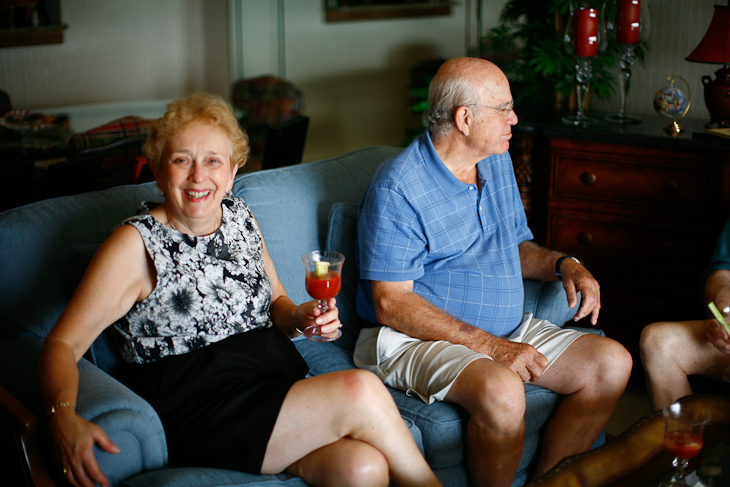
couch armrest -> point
(129, 421)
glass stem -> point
(681, 465)
(626, 61)
(583, 74)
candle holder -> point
(585, 37)
(627, 21)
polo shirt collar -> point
(441, 174)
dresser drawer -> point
(605, 179)
(623, 242)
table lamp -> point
(715, 49)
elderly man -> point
(673, 351)
(443, 246)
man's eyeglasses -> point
(506, 108)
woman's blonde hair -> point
(196, 107)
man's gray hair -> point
(445, 95)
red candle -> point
(586, 32)
(628, 21)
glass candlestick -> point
(628, 22)
(585, 37)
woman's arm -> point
(119, 274)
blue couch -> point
(45, 246)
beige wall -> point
(113, 51)
(354, 74)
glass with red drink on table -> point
(683, 437)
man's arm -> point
(717, 290)
(397, 306)
(539, 263)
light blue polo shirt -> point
(458, 242)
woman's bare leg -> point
(355, 405)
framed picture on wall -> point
(344, 10)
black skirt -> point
(219, 404)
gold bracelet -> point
(66, 404)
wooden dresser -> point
(641, 209)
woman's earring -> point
(229, 194)
(160, 192)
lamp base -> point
(717, 99)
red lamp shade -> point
(715, 46)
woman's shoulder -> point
(237, 207)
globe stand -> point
(671, 102)
(673, 129)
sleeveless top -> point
(208, 288)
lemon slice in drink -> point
(322, 268)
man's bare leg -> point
(495, 398)
(670, 353)
(591, 375)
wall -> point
(354, 74)
(115, 51)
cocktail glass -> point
(323, 280)
(683, 436)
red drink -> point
(323, 286)
(586, 32)
(628, 21)
(683, 444)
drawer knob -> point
(588, 178)
(585, 238)
(671, 187)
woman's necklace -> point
(169, 220)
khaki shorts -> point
(428, 369)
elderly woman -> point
(202, 318)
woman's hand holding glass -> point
(312, 321)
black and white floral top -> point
(208, 288)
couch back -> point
(45, 246)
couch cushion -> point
(341, 235)
(292, 206)
(206, 477)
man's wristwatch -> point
(559, 262)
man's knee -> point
(613, 364)
(657, 340)
(500, 399)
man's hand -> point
(576, 278)
(717, 335)
(521, 358)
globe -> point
(671, 102)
